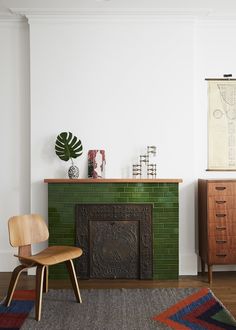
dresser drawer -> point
(222, 250)
(221, 203)
(221, 188)
(222, 258)
(222, 244)
(226, 216)
(221, 229)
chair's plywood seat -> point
(54, 255)
(28, 229)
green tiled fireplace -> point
(64, 194)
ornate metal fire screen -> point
(116, 240)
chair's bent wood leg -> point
(73, 278)
(14, 279)
(39, 291)
(45, 280)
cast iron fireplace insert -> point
(116, 240)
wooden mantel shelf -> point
(113, 180)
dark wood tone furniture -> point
(217, 223)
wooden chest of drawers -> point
(216, 223)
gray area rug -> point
(105, 309)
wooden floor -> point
(223, 286)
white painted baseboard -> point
(188, 264)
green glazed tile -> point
(163, 196)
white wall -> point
(119, 84)
(15, 127)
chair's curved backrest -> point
(27, 229)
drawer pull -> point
(220, 228)
(220, 188)
(221, 241)
(220, 215)
(221, 255)
(220, 202)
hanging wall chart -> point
(221, 124)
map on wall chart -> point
(221, 124)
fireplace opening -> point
(116, 240)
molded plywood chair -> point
(23, 232)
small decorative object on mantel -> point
(137, 170)
(96, 164)
(144, 161)
(68, 147)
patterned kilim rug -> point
(201, 310)
(119, 309)
(12, 317)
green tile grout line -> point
(62, 198)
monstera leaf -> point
(68, 146)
